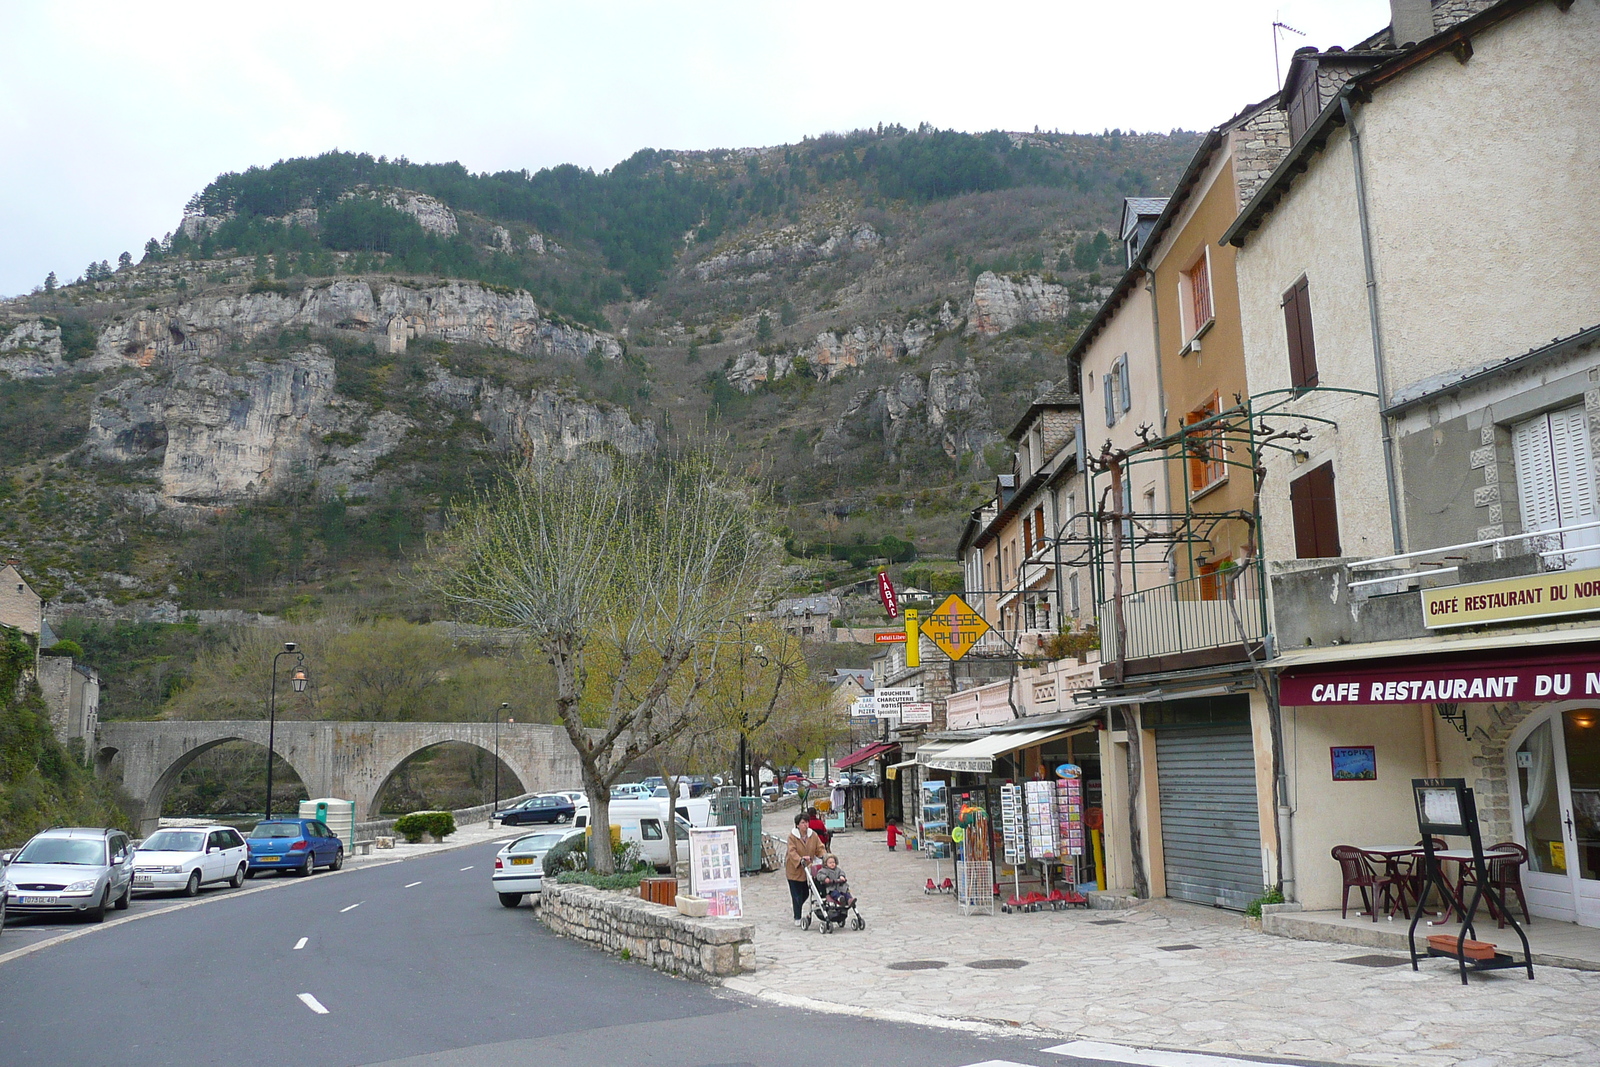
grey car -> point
(70, 871)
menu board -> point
(1013, 824)
(1043, 839)
(714, 869)
(1069, 812)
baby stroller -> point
(830, 901)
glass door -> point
(1557, 771)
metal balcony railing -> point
(1214, 611)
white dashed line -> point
(507, 841)
(466, 868)
(300, 944)
(352, 907)
(313, 1003)
(410, 884)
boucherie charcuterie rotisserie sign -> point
(1530, 596)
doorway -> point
(1555, 769)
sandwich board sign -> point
(954, 627)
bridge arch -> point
(518, 777)
(166, 779)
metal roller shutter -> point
(1210, 829)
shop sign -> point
(1445, 681)
(954, 627)
(864, 708)
(1530, 596)
(891, 700)
(914, 713)
(714, 869)
(886, 593)
(890, 637)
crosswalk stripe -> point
(1148, 1057)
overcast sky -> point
(113, 114)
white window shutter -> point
(1122, 385)
(1536, 475)
(1109, 381)
(1574, 470)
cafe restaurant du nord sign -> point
(1531, 596)
(1446, 679)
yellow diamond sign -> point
(954, 627)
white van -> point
(644, 822)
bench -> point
(364, 847)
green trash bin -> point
(744, 813)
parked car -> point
(574, 795)
(298, 845)
(519, 867)
(185, 858)
(631, 791)
(87, 871)
(643, 821)
(769, 790)
(549, 809)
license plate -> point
(144, 881)
(522, 861)
(36, 900)
(268, 859)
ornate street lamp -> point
(299, 681)
(497, 719)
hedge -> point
(440, 824)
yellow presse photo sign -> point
(1530, 596)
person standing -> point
(803, 847)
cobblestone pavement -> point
(1163, 974)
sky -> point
(112, 114)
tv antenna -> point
(1279, 28)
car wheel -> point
(97, 914)
(239, 876)
(510, 900)
(309, 867)
(338, 861)
(127, 896)
(562, 818)
(191, 888)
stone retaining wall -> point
(652, 934)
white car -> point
(574, 795)
(519, 867)
(183, 858)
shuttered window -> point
(1555, 477)
(1302, 345)
(1198, 283)
(1124, 390)
(1316, 515)
(1109, 382)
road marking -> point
(507, 841)
(410, 884)
(300, 944)
(313, 1003)
(1147, 1057)
(466, 868)
(352, 907)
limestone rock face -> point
(391, 316)
(946, 408)
(1001, 303)
(31, 349)
(835, 353)
(430, 214)
(790, 245)
(542, 421)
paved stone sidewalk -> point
(1128, 982)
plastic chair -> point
(1505, 875)
(1357, 874)
(1412, 873)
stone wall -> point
(652, 934)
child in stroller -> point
(832, 903)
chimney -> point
(1410, 21)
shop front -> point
(1523, 729)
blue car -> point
(298, 845)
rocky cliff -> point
(946, 408)
(1004, 302)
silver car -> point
(519, 866)
(69, 871)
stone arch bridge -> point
(352, 760)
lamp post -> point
(299, 680)
(497, 719)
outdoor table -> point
(1460, 856)
(1391, 855)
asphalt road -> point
(411, 963)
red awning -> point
(861, 755)
(1462, 679)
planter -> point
(694, 907)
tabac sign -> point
(1530, 596)
(954, 627)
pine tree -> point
(152, 251)
(50, 282)
(124, 261)
(764, 328)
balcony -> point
(1211, 619)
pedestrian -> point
(891, 831)
(814, 820)
(803, 847)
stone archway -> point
(168, 777)
(518, 778)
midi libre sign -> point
(1532, 596)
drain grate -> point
(918, 965)
(1108, 922)
(1376, 961)
(997, 965)
(1178, 948)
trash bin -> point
(745, 813)
(338, 815)
(872, 813)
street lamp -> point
(299, 681)
(497, 719)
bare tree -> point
(628, 573)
